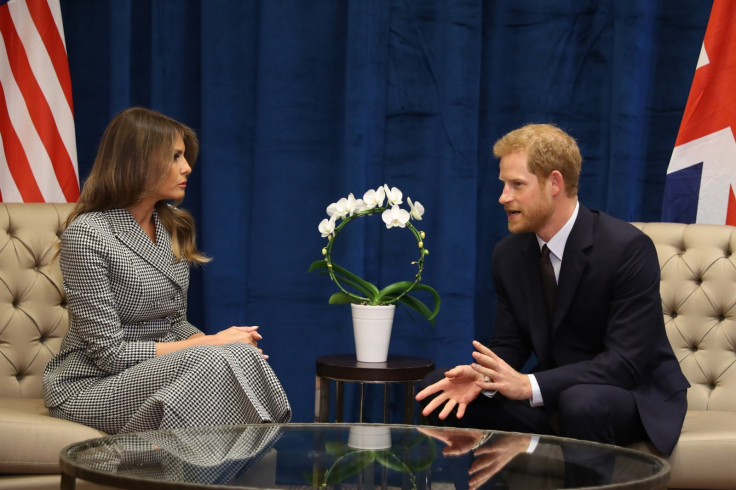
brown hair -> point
(133, 157)
(548, 148)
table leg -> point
(409, 403)
(67, 482)
(362, 400)
(339, 401)
(322, 399)
(386, 402)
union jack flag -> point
(702, 172)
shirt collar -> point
(556, 244)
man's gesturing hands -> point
(462, 384)
(506, 380)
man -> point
(605, 369)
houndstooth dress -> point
(125, 294)
(222, 455)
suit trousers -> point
(599, 413)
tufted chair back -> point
(33, 314)
(698, 288)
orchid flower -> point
(374, 198)
(395, 216)
(393, 195)
(355, 205)
(327, 226)
(338, 210)
(341, 209)
(417, 210)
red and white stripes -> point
(38, 156)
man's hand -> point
(457, 441)
(491, 458)
(504, 379)
(459, 387)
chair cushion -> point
(37, 438)
(703, 457)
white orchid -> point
(342, 208)
(395, 216)
(355, 205)
(416, 210)
(337, 209)
(327, 226)
(349, 208)
(374, 198)
(393, 195)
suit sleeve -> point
(85, 264)
(509, 342)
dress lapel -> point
(130, 234)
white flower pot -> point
(369, 437)
(372, 331)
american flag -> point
(38, 153)
(702, 173)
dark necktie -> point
(549, 283)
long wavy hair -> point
(133, 158)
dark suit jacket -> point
(607, 326)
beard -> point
(532, 219)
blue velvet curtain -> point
(300, 102)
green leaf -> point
(340, 298)
(367, 293)
(391, 461)
(345, 276)
(317, 265)
(423, 463)
(349, 465)
(435, 297)
(388, 294)
(336, 448)
(416, 304)
(356, 281)
(395, 289)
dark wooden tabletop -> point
(397, 369)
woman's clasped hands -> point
(239, 334)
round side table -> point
(342, 368)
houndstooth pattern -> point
(203, 455)
(126, 293)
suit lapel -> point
(130, 234)
(574, 263)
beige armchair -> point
(33, 320)
(698, 288)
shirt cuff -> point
(533, 442)
(536, 399)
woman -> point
(131, 361)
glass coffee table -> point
(359, 456)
